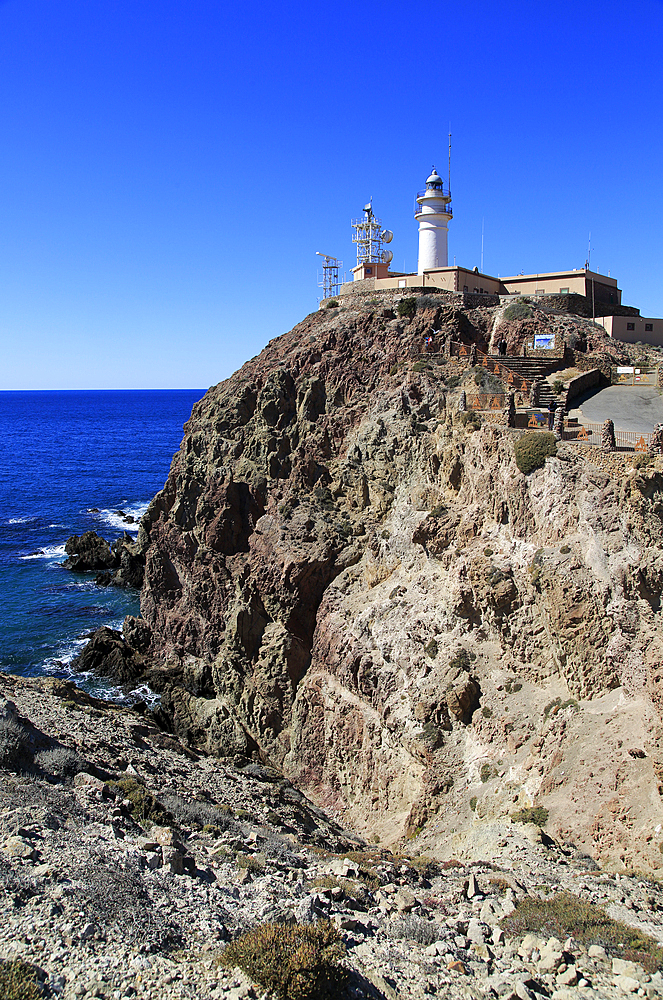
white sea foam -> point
(115, 520)
(21, 520)
(50, 552)
(61, 663)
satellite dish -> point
(387, 256)
(386, 236)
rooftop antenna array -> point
(370, 237)
(330, 283)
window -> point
(630, 326)
(476, 290)
(649, 327)
(540, 291)
(481, 290)
(612, 297)
(465, 288)
(563, 291)
(402, 282)
(368, 270)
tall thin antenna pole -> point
(449, 157)
(482, 221)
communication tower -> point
(370, 237)
(330, 283)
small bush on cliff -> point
(532, 450)
(18, 981)
(60, 763)
(331, 304)
(144, 807)
(300, 962)
(518, 310)
(564, 915)
(535, 814)
(14, 742)
(407, 307)
(412, 928)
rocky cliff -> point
(349, 579)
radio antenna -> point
(449, 157)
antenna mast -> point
(370, 237)
(330, 283)
(449, 157)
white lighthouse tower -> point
(433, 215)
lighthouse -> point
(433, 213)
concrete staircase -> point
(531, 369)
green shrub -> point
(407, 307)
(431, 649)
(144, 807)
(512, 686)
(564, 915)
(557, 386)
(301, 961)
(533, 448)
(18, 981)
(420, 366)
(487, 712)
(565, 550)
(331, 304)
(394, 369)
(640, 461)
(534, 814)
(473, 803)
(488, 552)
(486, 773)
(518, 310)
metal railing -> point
(590, 433)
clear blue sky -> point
(168, 169)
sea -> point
(70, 462)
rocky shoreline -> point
(128, 861)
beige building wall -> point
(454, 279)
(633, 329)
(461, 279)
(582, 282)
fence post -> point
(534, 393)
(558, 424)
(510, 409)
(608, 436)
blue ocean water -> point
(69, 462)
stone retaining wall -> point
(581, 383)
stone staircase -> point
(531, 369)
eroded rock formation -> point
(350, 579)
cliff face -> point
(345, 576)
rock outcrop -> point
(121, 563)
(346, 577)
